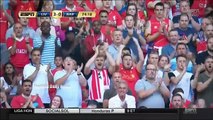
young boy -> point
(59, 66)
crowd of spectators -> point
(132, 54)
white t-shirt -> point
(70, 91)
(40, 84)
(115, 102)
(6, 86)
(184, 83)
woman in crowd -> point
(10, 82)
(57, 102)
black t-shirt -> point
(76, 52)
(201, 57)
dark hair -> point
(173, 30)
(181, 44)
(6, 78)
(184, 14)
(104, 11)
(126, 48)
(136, 14)
(124, 55)
(35, 49)
(181, 56)
(27, 80)
(177, 95)
(130, 15)
(58, 56)
(61, 101)
(161, 56)
(208, 57)
(153, 52)
(176, 90)
(209, 39)
(159, 4)
(93, 102)
(210, 14)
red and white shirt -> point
(98, 82)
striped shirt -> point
(48, 52)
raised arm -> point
(82, 80)
(141, 56)
(90, 62)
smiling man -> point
(122, 99)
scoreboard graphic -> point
(57, 14)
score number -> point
(57, 14)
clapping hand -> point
(80, 68)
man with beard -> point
(130, 72)
(72, 47)
(151, 91)
(205, 82)
(98, 78)
(122, 99)
(204, 34)
(96, 37)
(26, 100)
(106, 27)
(209, 52)
(177, 101)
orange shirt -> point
(131, 76)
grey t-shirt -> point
(153, 101)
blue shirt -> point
(131, 44)
(187, 32)
(48, 52)
(174, 65)
(26, 30)
(168, 50)
(113, 50)
(177, 18)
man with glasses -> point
(151, 91)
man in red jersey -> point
(70, 7)
(157, 28)
(114, 17)
(95, 38)
(130, 72)
(19, 48)
(25, 100)
(24, 5)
